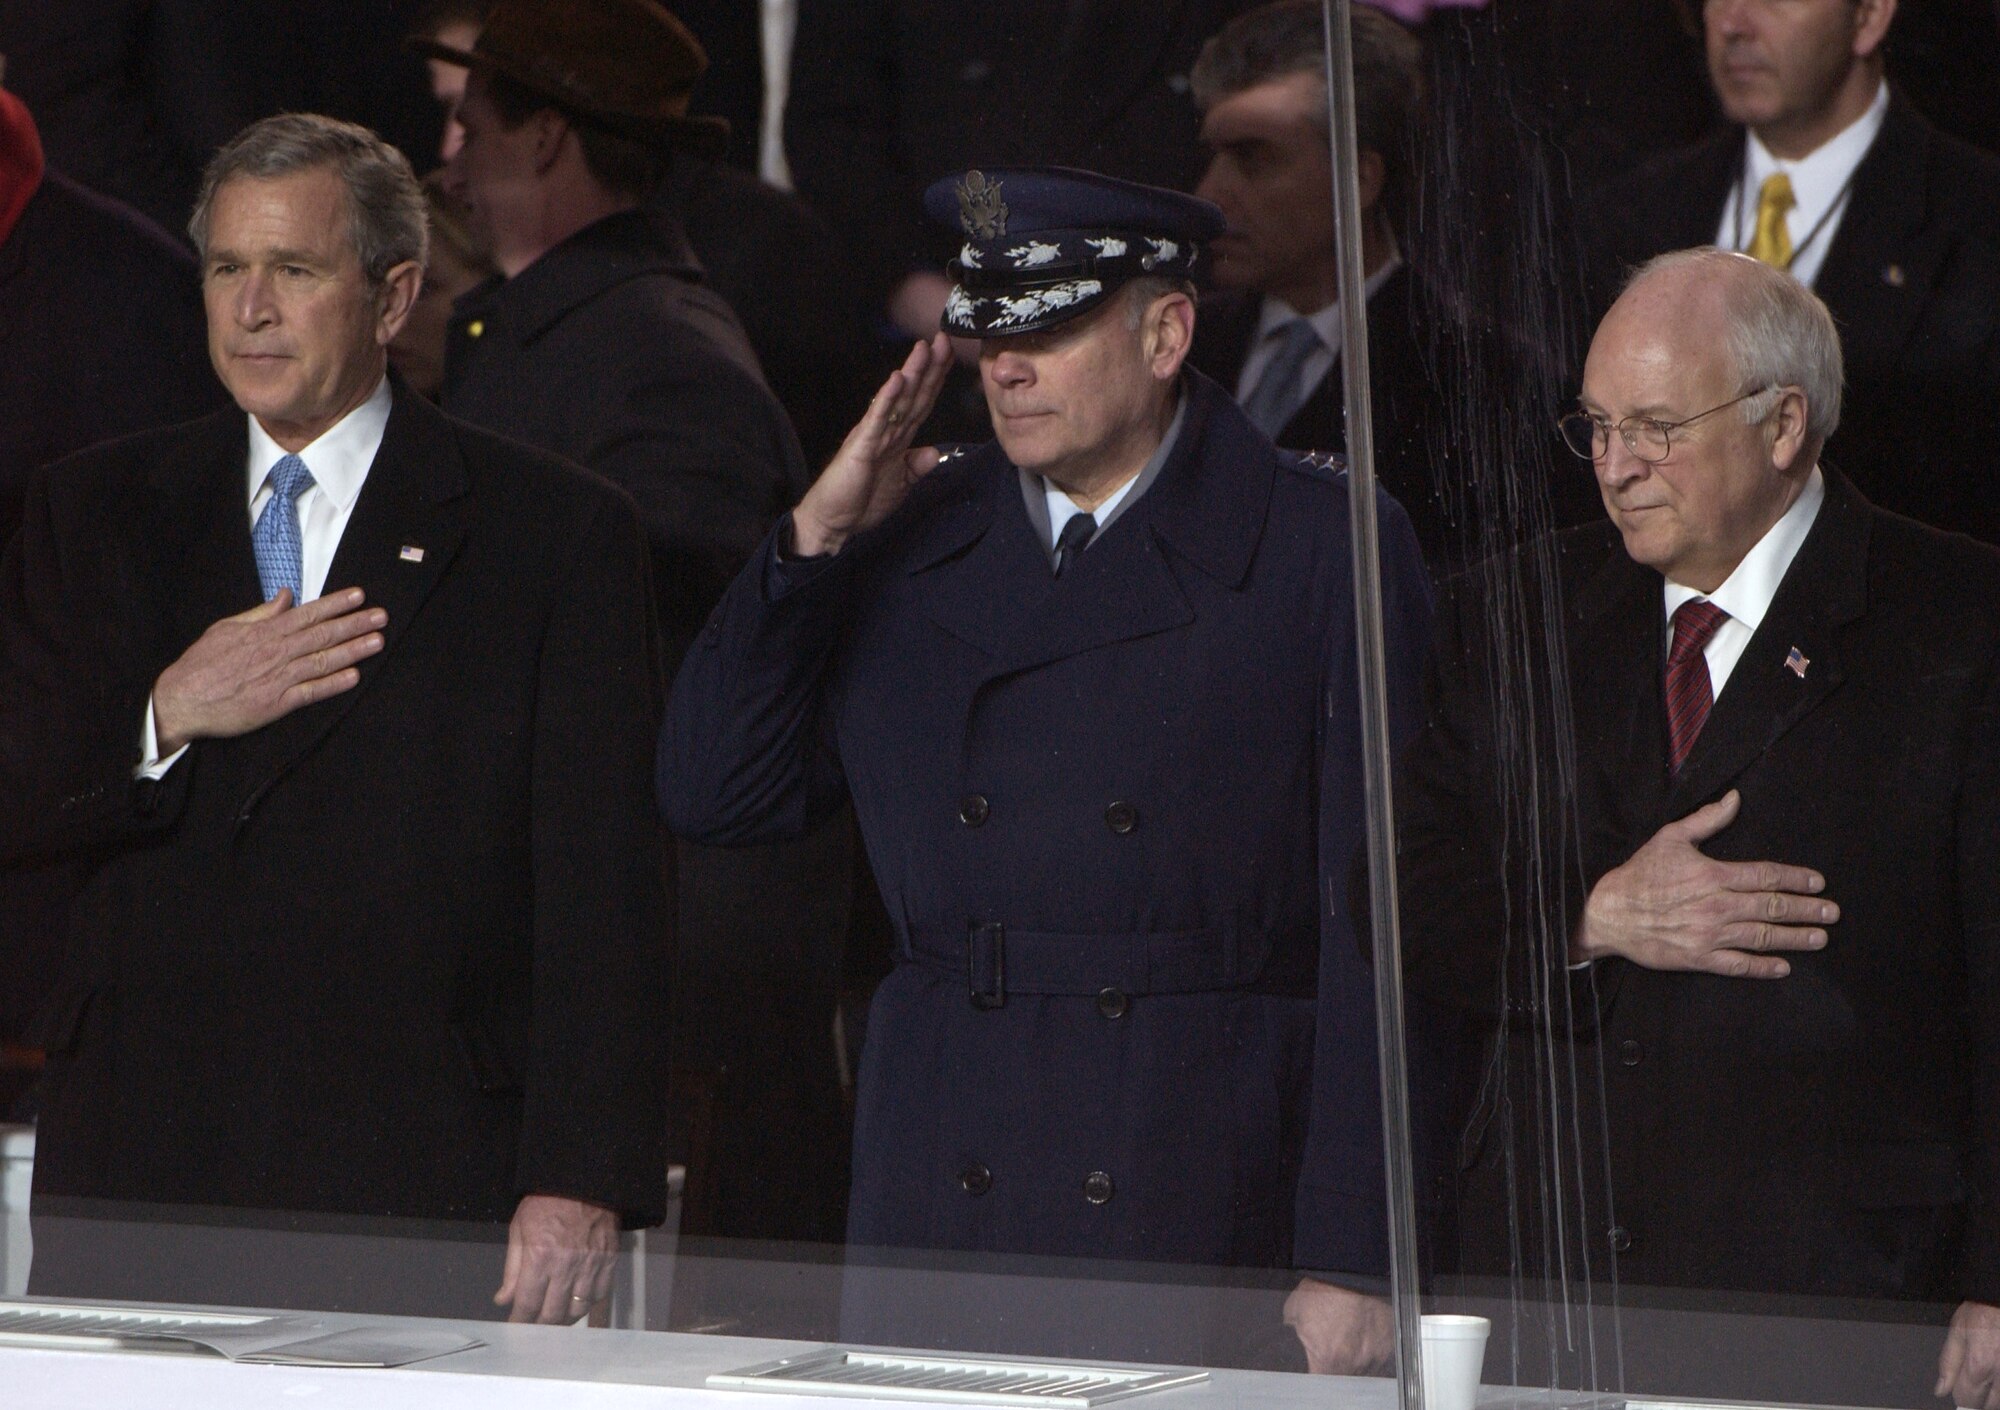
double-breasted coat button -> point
(1112, 1003)
(975, 1179)
(973, 810)
(1629, 1052)
(1121, 818)
(1621, 1239)
(1097, 1187)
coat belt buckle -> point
(986, 964)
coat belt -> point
(998, 961)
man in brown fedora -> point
(597, 339)
(601, 342)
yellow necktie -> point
(1773, 243)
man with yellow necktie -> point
(1831, 175)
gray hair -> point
(1138, 294)
(385, 205)
(1779, 334)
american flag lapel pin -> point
(410, 553)
(1796, 663)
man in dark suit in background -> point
(135, 95)
(69, 379)
(1830, 173)
(374, 931)
(1272, 333)
(1774, 912)
(885, 94)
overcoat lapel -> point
(412, 499)
(1880, 269)
(1615, 683)
(1207, 506)
(202, 564)
(1824, 589)
(978, 563)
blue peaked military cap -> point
(1043, 244)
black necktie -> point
(1070, 542)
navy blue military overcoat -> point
(1112, 815)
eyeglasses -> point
(1648, 438)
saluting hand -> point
(258, 666)
(1671, 907)
(875, 467)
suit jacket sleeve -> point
(594, 1100)
(1341, 1219)
(1978, 868)
(73, 690)
(746, 753)
(1469, 906)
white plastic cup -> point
(1454, 1353)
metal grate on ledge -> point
(24, 1321)
(951, 1380)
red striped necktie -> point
(1688, 694)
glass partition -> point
(1483, 827)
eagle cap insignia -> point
(981, 212)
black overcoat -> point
(609, 350)
(1100, 808)
(400, 953)
(1913, 281)
(1834, 1133)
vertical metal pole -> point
(1375, 747)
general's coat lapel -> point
(1824, 589)
(977, 564)
(1207, 506)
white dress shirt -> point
(1327, 323)
(1049, 508)
(1820, 186)
(1062, 508)
(339, 462)
(1746, 594)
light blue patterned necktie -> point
(276, 539)
(1277, 397)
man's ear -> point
(394, 298)
(1372, 174)
(551, 130)
(1169, 334)
(1788, 422)
(1871, 26)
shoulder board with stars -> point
(1327, 464)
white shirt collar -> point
(1746, 594)
(339, 458)
(1276, 313)
(1819, 178)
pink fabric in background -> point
(1413, 11)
